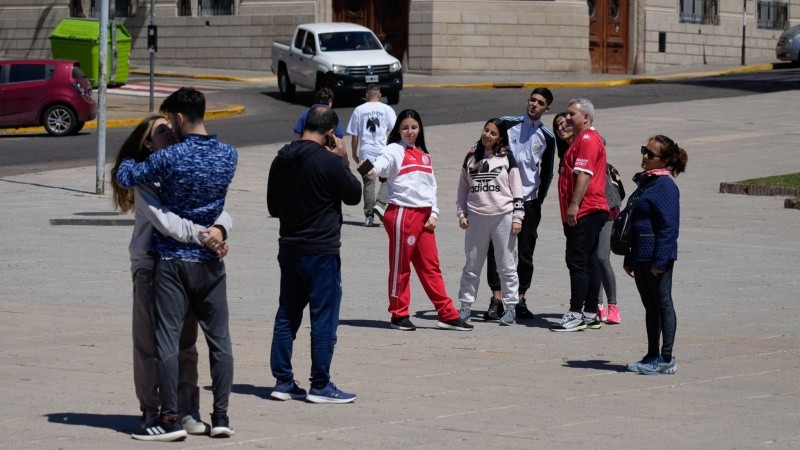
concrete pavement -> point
(65, 361)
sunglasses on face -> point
(650, 155)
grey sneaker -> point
(569, 322)
(509, 316)
(464, 313)
(369, 221)
(193, 425)
(592, 321)
(634, 366)
(658, 366)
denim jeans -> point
(659, 314)
(316, 281)
(581, 258)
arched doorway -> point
(608, 35)
(387, 18)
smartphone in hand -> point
(365, 167)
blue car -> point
(788, 48)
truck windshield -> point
(348, 41)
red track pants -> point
(410, 242)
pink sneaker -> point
(602, 313)
(613, 314)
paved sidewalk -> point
(65, 361)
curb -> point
(752, 189)
(228, 111)
(207, 77)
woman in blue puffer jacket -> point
(655, 220)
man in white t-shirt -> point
(369, 125)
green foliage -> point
(789, 180)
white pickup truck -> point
(342, 56)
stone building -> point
(434, 36)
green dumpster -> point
(79, 40)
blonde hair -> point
(133, 147)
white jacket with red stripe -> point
(410, 176)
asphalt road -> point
(269, 120)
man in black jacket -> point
(308, 181)
(534, 148)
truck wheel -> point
(393, 98)
(284, 85)
(60, 120)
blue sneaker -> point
(288, 391)
(658, 366)
(635, 366)
(329, 394)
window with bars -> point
(91, 8)
(215, 7)
(704, 12)
(772, 15)
(184, 8)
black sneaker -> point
(163, 430)
(220, 425)
(455, 324)
(522, 310)
(495, 310)
(403, 324)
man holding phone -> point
(369, 125)
(308, 181)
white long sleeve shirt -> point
(410, 176)
(151, 214)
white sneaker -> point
(192, 425)
(464, 312)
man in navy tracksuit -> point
(308, 181)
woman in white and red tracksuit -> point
(409, 220)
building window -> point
(700, 11)
(122, 8)
(215, 7)
(772, 15)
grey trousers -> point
(369, 194)
(481, 231)
(181, 286)
(606, 269)
(145, 367)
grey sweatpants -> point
(481, 231)
(145, 367)
(181, 286)
(604, 259)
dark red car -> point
(45, 92)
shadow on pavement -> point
(249, 389)
(365, 323)
(117, 422)
(596, 364)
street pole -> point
(100, 183)
(744, 26)
(151, 48)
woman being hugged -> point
(489, 208)
(655, 221)
(410, 221)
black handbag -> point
(621, 229)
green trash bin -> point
(79, 40)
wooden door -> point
(387, 18)
(608, 35)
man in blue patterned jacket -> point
(194, 176)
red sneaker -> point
(613, 314)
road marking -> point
(159, 89)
